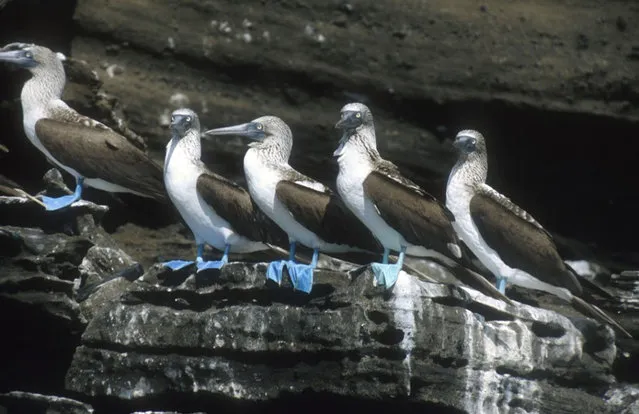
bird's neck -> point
(275, 152)
(365, 137)
(469, 171)
(188, 147)
(360, 143)
(43, 87)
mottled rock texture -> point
(186, 342)
(25, 402)
(432, 344)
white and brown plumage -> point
(87, 149)
(309, 212)
(503, 236)
(401, 215)
(218, 211)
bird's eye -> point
(474, 142)
(28, 54)
(188, 119)
(358, 115)
(259, 126)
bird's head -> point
(32, 57)
(469, 142)
(183, 121)
(355, 117)
(266, 131)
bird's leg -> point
(386, 274)
(214, 264)
(57, 203)
(385, 258)
(500, 284)
(302, 275)
(181, 264)
(275, 268)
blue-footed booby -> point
(309, 212)
(513, 246)
(399, 213)
(90, 151)
(218, 211)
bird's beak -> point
(174, 126)
(249, 130)
(16, 57)
(464, 143)
(459, 142)
(349, 120)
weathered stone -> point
(39, 313)
(348, 346)
(26, 402)
(423, 343)
(624, 399)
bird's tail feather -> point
(596, 313)
(589, 285)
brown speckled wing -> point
(234, 204)
(415, 214)
(519, 240)
(325, 214)
(95, 151)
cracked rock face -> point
(23, 402)
(421, 344)
(86, 329)
(118, 339)
(41, 268)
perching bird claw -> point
(301, 276)
(53, 203)
(177, 264)
(58, 203)
(213, 264)
(386, 274)
(274, 271)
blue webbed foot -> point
(386, 274)
(213, 264)
(500, 284)
(177, 264)
(57, 203)
(274, 271)
(301, 277)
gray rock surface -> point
(427, 343)
(77, 326)
(44, 257)
(185, 342)
(32, 403)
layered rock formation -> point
(79, 340)
(188, 342)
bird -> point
(506, 239)
(401, 215)
(91, 152)
(218, 211)
(308, 211)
